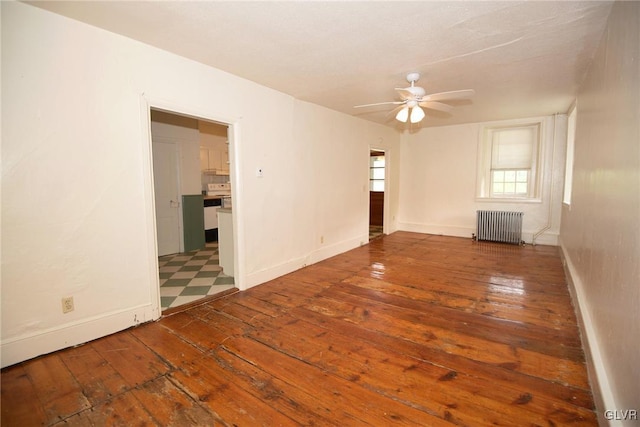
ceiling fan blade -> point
(454, 94)
(433, 105)
(404, 93)
(379, 103)
(393, 113)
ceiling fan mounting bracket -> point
(413, 77)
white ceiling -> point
(523, 58)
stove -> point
(223, 190)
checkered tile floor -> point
(187, 277)
(375, 231)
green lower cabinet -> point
(193, 220)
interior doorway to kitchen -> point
(190, 158)
(377, 172)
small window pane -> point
(509, 187)
(510, 176)
(521, 188)
(498, 187)
(377, 161)
(377, 173)
(498, 176)
(377, 185)
(522, 176)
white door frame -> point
(234, 135)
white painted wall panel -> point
(600, 232)
(77, 215)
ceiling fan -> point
(414, 98)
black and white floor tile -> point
(188, 277)
(375, 231)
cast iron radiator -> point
(499, 226)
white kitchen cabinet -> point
(214, 148)
(214, 161)
(204, 159)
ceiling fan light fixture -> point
(403, 115)
(414, 99)
(416, 114)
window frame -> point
(372, 168)
(484, 188)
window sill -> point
(508, 200)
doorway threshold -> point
(201, 301)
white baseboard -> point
(327, 251)
(262, 276)
(15, 350)
(598, 378)
(319, 254)
(19, 349)
(440, 230)
(546, 238)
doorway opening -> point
(190, 159)
(377, 173)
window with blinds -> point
(508, 165)
(511, 161)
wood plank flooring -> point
(411, 329)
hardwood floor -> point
(411, 329)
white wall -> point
(438, 176)
(600, 234)
(77, 212)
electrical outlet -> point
(67, 304)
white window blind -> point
(512, 148)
